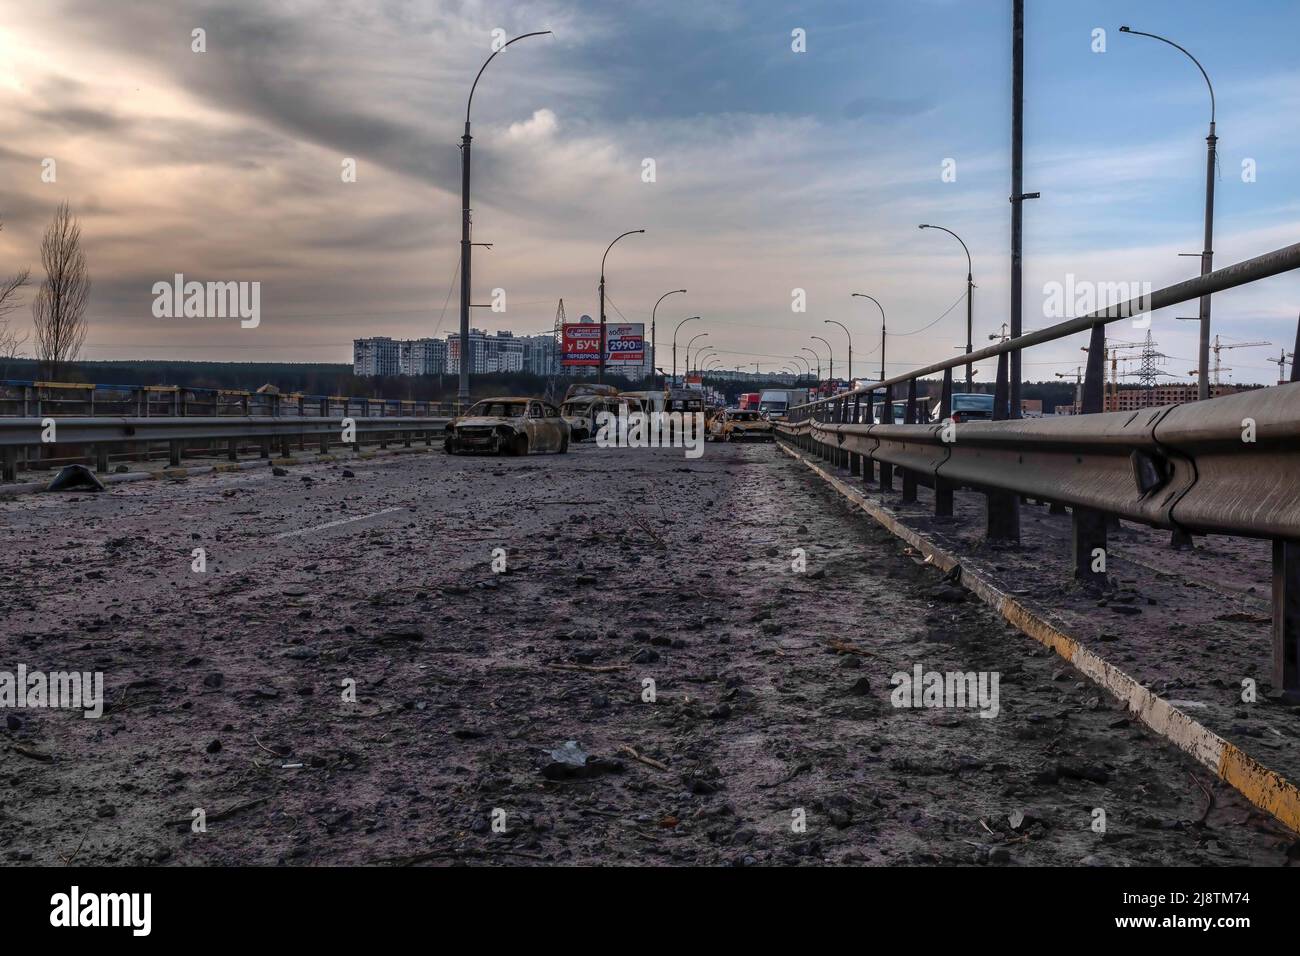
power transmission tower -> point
(557, 345)
(1148, 373)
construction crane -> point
(1280, 362)
(1231, 345)
(1111, 355)
(1078, 384)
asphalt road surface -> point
(349, 680)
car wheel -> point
(564, 444)
(449, 447)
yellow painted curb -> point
(1265, 788)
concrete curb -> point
(1265, 788)
(32, 487)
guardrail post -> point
(887, 413)
(264, 449)
(101, 459)
(839, 420)
(1286, 617)
(869, 463)
(9, 463)
(909, 418)
(1003, 523)
(174, 453)
(1088, 527)
(943, 497)
(232, 450)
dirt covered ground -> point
(771, 737)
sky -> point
(775, 170)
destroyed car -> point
(508, 426)
(746, 425)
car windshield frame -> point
(496, 408)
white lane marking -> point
(335, 524)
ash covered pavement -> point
(350, 680)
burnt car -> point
(508, 426)
(746, 426)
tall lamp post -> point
(970, 285)
(806, 370)
(462, 393)
(830, 372)
(653, 341)
(691, 318)
(863, 295)
(818, 359)
(1207, 254)
(689, 343)
(600, 376)
(850, 335)
(699, 354)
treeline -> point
(325, 378)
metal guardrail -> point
(39, 399)
(180, 434)
(1176, 466)
(1229, 465)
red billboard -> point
(624, 344)
(581, 344)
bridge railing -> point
(1229, 465)
(32, 399)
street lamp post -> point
(1207, 254)
(830, 372)
(699, 354)
(691, 318)
(807, 369)
(863, 295)
(600, 375)
(462, 394)
(970, 285)
(653, 341)
(698, 335)
(818, 359)
(850, 335)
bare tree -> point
(59, 309)
(11, 342)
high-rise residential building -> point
(540, 353)
(424, 357)
(376, 356)
(500, 352)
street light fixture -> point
(863, 295)
(653, 340)
(807, 370)
(691, 318)
(699, 353)
(810, 364)
(850, 335)
(1207, 255)
(698, 335)
(970, 285)
(466, 246)
(830, 372)
(600, 375)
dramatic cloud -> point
(774, 170)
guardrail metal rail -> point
(102, 434)
(1229, 465)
